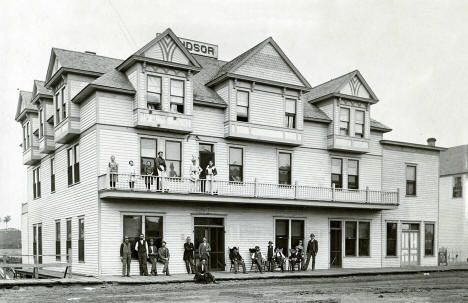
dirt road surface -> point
(435, 287)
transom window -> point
(148, 148)
(153, 100)
(236, 164)
(457, 187)
(290, 121)
(173, 158)
(337, 172)
(242, 106)
(177, 96)
(410, 180)
(284, 168)
(359, 123)
(344, 121)
(353, 174)
(149, 225)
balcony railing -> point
(155, 119)
(141, 183)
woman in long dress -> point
(195, 171)
(210, 177)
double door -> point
(213, 230)
(410, 244)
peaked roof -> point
(376, 125)
(333, 87)
(454, 160)
(25, 98)
(232, 65)
(313, 113)
(41, 89)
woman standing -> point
(148, 169)
(210, 177)
(195, 171)
(131, 175)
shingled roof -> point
(454, 160)
(313, 113)
(24, 103)
(376, 125)
(202, 94)
(85, 61)
(41, 89)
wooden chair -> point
(290, 264)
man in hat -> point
(279, 258)
(164, 256)
(142, 248)
(188, 255)
(153, 257)
(204, 250)
(126, 256)
(312, 249)
(236, 258)
(258, 259)
(271, 262)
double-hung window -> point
(153, 100)
(149, 225)
(284, 168)
(41, 122)
(337, 172)
(52, 175)
(242, 106)
(81, 240)
(353, 174)
(64, 104)
(344, 121)
(173, 158)
(58, 110)
(236, 164)
(58, 256)
(288, 233)
(73, 164)
(177, 96)
(36, 183)
(429, 239)
(69, 238)
(290, 120)
(411, 180)
(457, 187)
(359, 123)
(28, 134)
(391, 239)
(148, 149)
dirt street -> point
(436, 287)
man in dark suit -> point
(142, 248)
(153, 257)
(237, 259)
(161, 169)
(203, 275)
(312, 249)
(163, 253)
(271, 261)
(188, 255)
(204, 250)
(126, 256)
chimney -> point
(431, 141)
(91, 53)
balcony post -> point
(295, 190)
(398, 195)
(367, 193)
(255, 188)
(333, 191)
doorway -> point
(212, 229)
(335, 244)
(206, 154)
(37, 243)
(410, 244)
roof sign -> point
(200, 48)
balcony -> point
(263, 133)
(31, 155)
(183, 189)
(160, 120)
(46, 144)
(347, 143)
(67, 130)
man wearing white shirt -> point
(142, 248)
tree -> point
(6, 219)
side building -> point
(291, 160)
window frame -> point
(289, 236)
(73, 167)
(81, 239)
(171, 95)
(37, 182)
(290, 166)
(58, 107)
(236, 165)
(411, 181)
(52, 175)
(180, 156)
(457, 191)
(58, 242)
(148, 92)
(289, 115)
(356, 122)
(340, 183)
(64, 105)
(432, 248)
(356, 187)
(69, 238)
(28, 135)
(144, 159)
(247, 118)
(348, 123)
(387, 239)
(357, 238)
(41, 122)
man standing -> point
(270, 260)
(188, 255)
(161, 170)
(204, 250)
(236, 258)
(164, 256)
(312, 249)
(153, 257)
(125, 256)
(142, 248)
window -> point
(58, 112)
(350, 238)
(152, 229)
(177, 96)
(457, 187)
(242, 106)
(344, 121)
(410, 180)
(52, 175)
(364, 239)
(173, 158)
(37, 243)
(64, 104)
(359, 124)
(36, 183)
(148, 149)
(337, 176)
(235, 164)
(392, 239)
(74, 164)
(290, 113)
(69, 238)
(153, 100)
(284, 168)
(288, 233)
(41, 122)
(429, 239)
(27, 131)
(81, 244)
(58, 256)
(24, 137)
(353, 174)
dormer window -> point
(242, 106)
(153, 100)
(177, 96)
(26, 136)
(64, 104)
(41, 122)
(290, 113)
(359, 123)
(58, 111)
(344, 121)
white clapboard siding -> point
(88, 113)
(115, 109)
(208, 121)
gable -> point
(269, 64)
(167, 50)
(354, 87)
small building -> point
(291, 160)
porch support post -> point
(333, 192)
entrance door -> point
(213, 230)
(410, 244)
(335, 244)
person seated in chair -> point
(279, 258)
(258, 259)
(300, 254)
(271, 262)
(293, 258)
(237, 260)
(203, 275)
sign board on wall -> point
(200, 48)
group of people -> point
(159, 172)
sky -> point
(413, 54)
